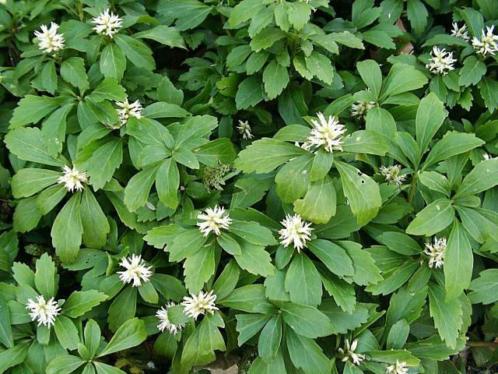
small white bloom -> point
(136, 270)
(213, 220)
(165, 323)
(392, 174)
(107, 23)
(43, 311)
(436, 251)
(326, 133)
(441, 62)
(127, 110)
(360, 108)
(459, 32)
(488, 44)
(245, 130)
(397, 368)
(73, 179)
(296, 232)
(349, 353)
(203, 303)
(49, 40)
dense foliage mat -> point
(275, 186)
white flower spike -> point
(73, 179)
(245, 130)
(127, 110)
(459, 32)
(441, 61)
(296, 232)
(326, 133)
(165, 323)
(136, 271)
(397, 368)
(349, 353)
(361, 108)
(436, 251)
(392, 174)
(488, 44)
(107, 23)
(196, 305)
(213, 220)
(43, 311)
(49, 40)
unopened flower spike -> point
(127, 110)
(245, 130)
(392, 174)
(436, 252)
(349, 354)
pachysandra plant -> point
(291, 186)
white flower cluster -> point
(107, 23)
(49, 40)
(245, 130)
(213, 220)
(165, 323)
(459, 32)
(441, 61)
(136, 270)
(392, 174)
(397, 368)
(127, 110)
(296, 232)
(348, 353)
(436, 251)
(43, 311)
(73, 179)
(196, 305)
(326, 133)
(487, 44)
(360, 108)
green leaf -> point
(95, 224)
(275, 79)
(430, 117)
(252, 232)
(417, 15)
(81, 302)
(481, 178)
(138, 188)
(306, 354)
(270, 338)
(249, 325)
(67, 230)
(402, 78)
(124, 305)
(306, 320)
(434, 218)
(320, 66)
(112, 62)
(255, 260)
(108, 89)
(292, 179)
(46, 278)
(27, 182)
(348, 39)
(73, 72)
(400, 243)
(458, 262)
(484, 287)
(29, 144)
(31, 109)
(129, 334)
(319, 203)
(266, 38)
(199, 268)
(264, 155)
(452, 144)
(164, 110)
(447, 315)
(103, 163)
(332, 256)
(189, 13)
(163, 34)
(303, 282)
(136, 51)
(66, 332)
(48, 77)
(370, 74)
(472, 71)
(6, 337)
(167, 183)
(361, 191)
(64, 364)
(365, 141)
(249, 93)
(365, 270)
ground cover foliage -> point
(276, 186)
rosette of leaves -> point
(245, 240)
(472, 79)
(164, 153)
(31, 340)
(303, 177)
(92, 348)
